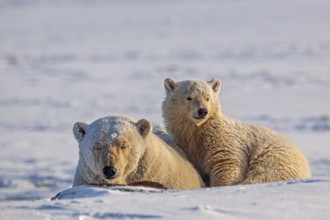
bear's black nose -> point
(202, 112)
(109, 171)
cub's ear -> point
(79, 130)
(144, 127)
(169, 84)
(215, 85)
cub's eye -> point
(124, 146)
(207, 99)
(189, 98)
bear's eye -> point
(97, 148)
(189, 98)
(207, 99)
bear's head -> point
(193, 99)
(111, 147)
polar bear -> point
(117, 150)
(226, 151)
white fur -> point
(147, 157)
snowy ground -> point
(64, 61)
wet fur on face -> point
(110, 142)
(117, 150)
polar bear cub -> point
(118, 150)
(223, 149)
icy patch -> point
(83, 191)
(90, 191)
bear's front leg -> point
(225, 172)
(225, 160)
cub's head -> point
(192, 99)
(111, 147)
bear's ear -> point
(169, 84)
(79, 130)
(144, 127)
(215, 85)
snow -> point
(67, 61)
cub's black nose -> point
(109, 171)
(202, 112)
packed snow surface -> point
(66, 61)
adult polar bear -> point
(225, 150)
(118, 150)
